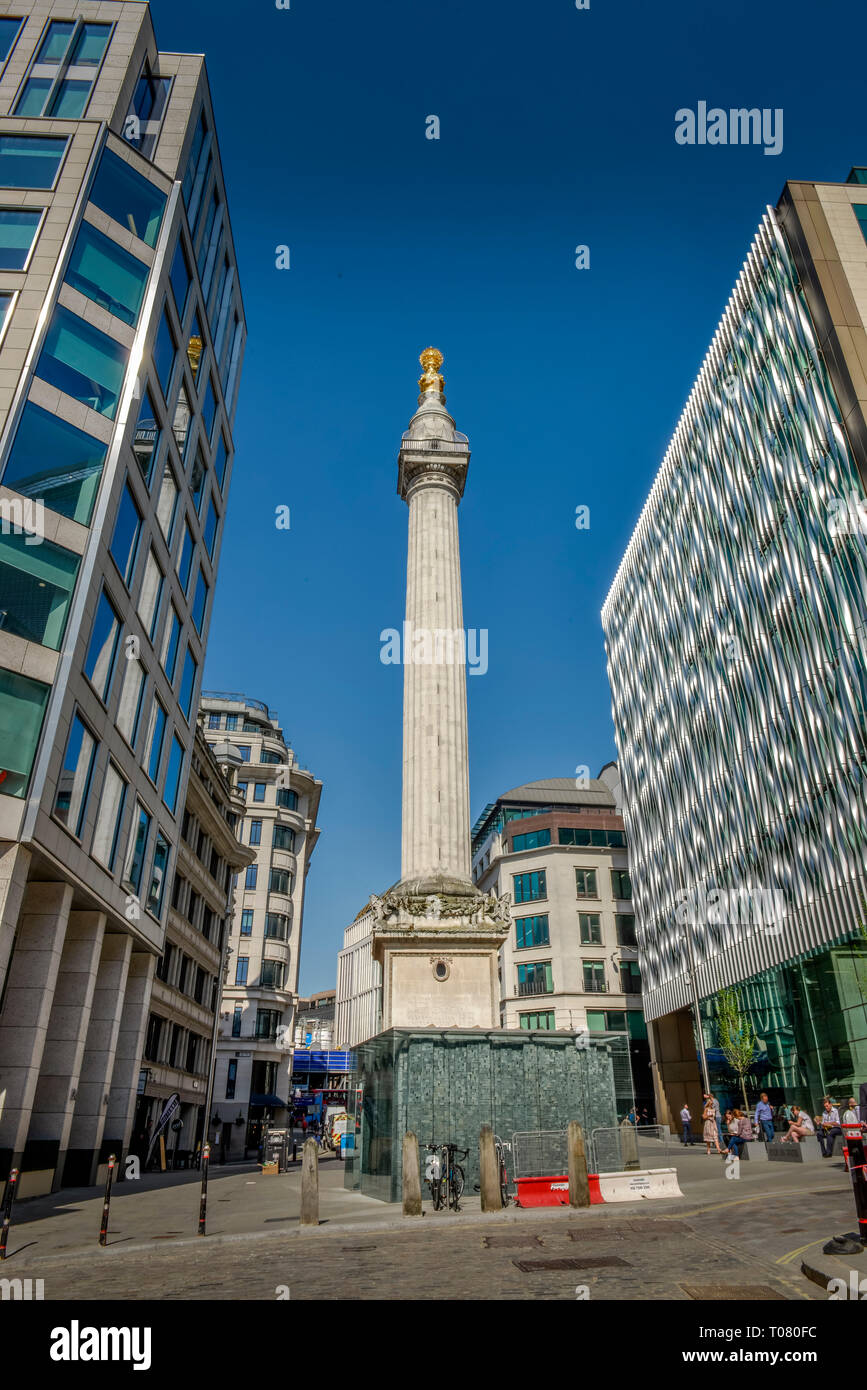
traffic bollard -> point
(203, 1204)
(11, 1185)
(103, 1230)
(854, 1137)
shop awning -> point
(271, 1102)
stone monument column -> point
(432, 467)
(435, 935)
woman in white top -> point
(800, 1125)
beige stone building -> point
(280, 804)
(180, 1040)
(570, 961)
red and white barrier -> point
(636, 1186)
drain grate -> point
(503, 1242)
(733, 1293)
(596, 1235)
(599, 1262)
(354, 1249)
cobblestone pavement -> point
(722, 1239)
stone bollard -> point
(310, 1183)
(411, 1176)
(579, 1186)
(490, 1177)
(629, 1145)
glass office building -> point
(736, 634)
(121, 340)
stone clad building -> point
(179, 1045)
(123, 332)
(279, 805)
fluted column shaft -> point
(436, 799)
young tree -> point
(737, 1037)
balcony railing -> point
(595, 987)
(446, 446)
(526, 987)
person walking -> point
(764, 1117)
(709, 1132)
(829, 1127)
(717, 1114)
(800, 1125)
(686, 1122)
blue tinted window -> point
(33, 96)
(83, 363)
(137, 848)
(252, 876)
(105, 273)
(200, 602)
(170, 648)
(36, 584)
(22, 709)
(73, 785)
(124, 542)
(165, 349)
(147, 108)
(197, 478)
(210, 533)
(90, 45)
(195, 347)
(220, 462)
(180, 277)
(185, 558)
(30, 161)
(17, 229)
(158, 876)
(198, 152)
(70, 99)
(56, 41)
(101, 654)
(146, 437)
(8, 34)
(209, 409)
(133, 201)
(57, 462)
(173, 775)
(155, 744)
(188, 681)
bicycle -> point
(455, 1176)
(501, 1146)
(433, 1174)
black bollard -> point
(103, 1230)
(203, 1204)
(11, 1185)
(854, 1136)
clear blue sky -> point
(557, 129)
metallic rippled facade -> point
(736, 636)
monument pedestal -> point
(438, 944)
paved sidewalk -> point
(724, 1238)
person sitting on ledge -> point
(800, 1126)
(829, 1127)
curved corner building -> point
(735, 634)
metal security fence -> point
(544, 1153)
(625, 1147)
(539, 1153)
